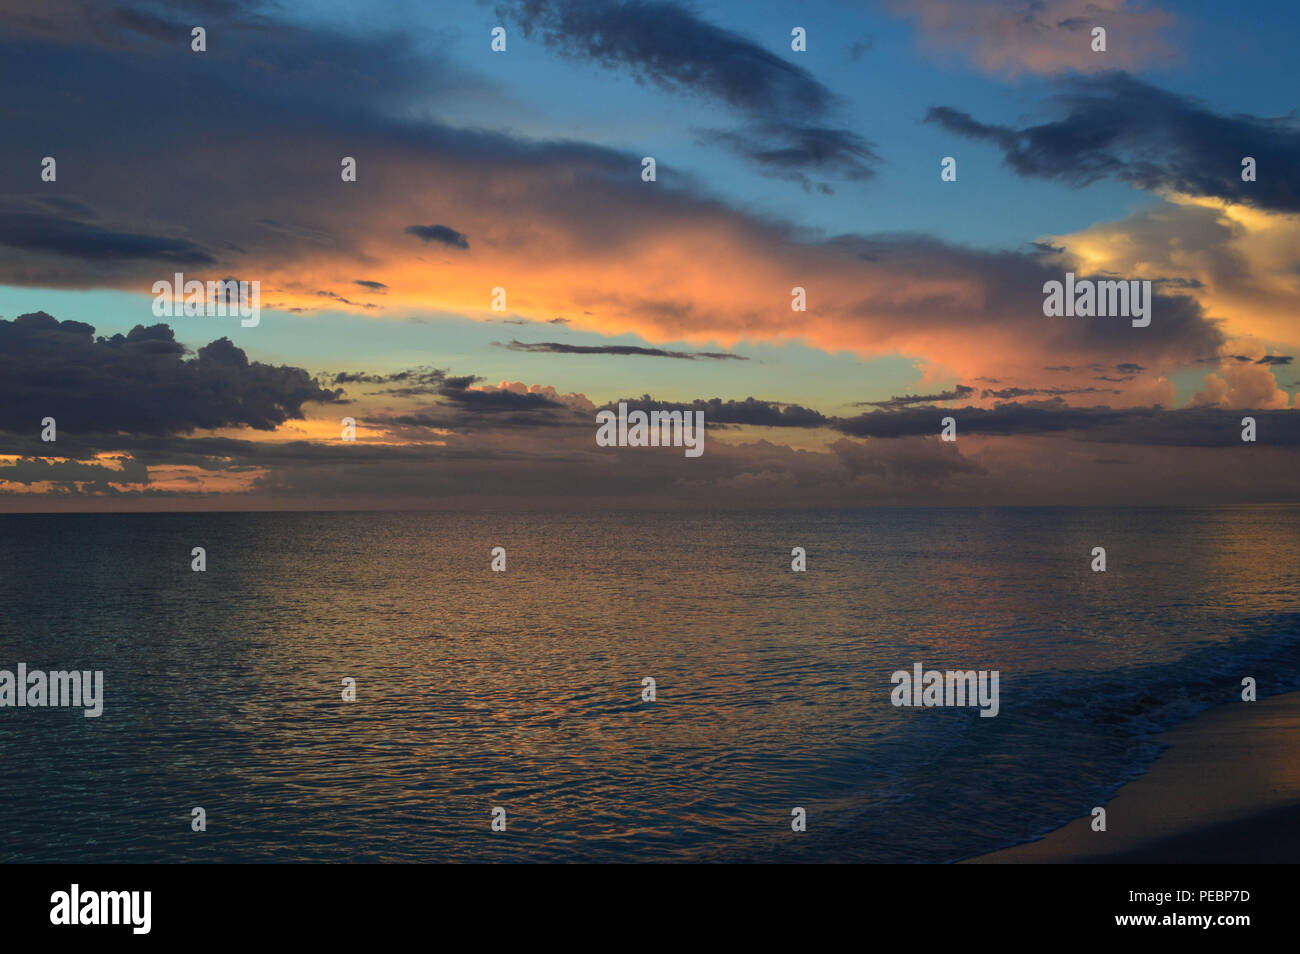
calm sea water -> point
(522, 689)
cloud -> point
(335, 296)
(83, 244)
(583, 242)
(364, 377)
(666, 44)
(1242, 386)
(858, 48)
(480, 444)
(439, 233)
(139, 383)
(1238, 262)
(583, 237)
(1011, 37)
(1199, 426)
(750, 411)
(556, 347)
(100, 476)
(458, 391)
(960, 391)
(119, 27)
(790, 151)
(1120, 127)
(1012, 392)
(574, 402)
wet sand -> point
(1227, 791)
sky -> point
(501, 267)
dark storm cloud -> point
(442, 234)
(140, 382)
(1118, 126)
(556, 347)
(666, 44)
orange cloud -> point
(616, 257)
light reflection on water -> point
(522, 689)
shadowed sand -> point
(1228, 791)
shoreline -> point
(1226, 791)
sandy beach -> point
(1227, 791)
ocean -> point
(523, 689)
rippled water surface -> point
(522, 689)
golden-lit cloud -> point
(1241, 263)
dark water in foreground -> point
(522, 689)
